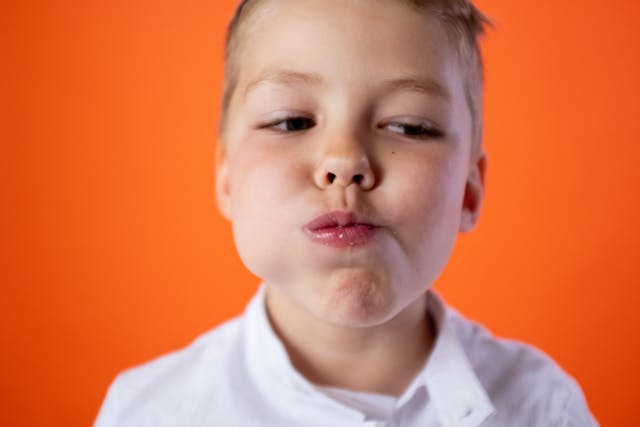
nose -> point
(343, 162)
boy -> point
(350, 159)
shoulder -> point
(524, 384)
(176, 382)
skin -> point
(372, 95)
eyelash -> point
(420, 130)
(296, 121)
(294, 124)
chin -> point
(359, 299)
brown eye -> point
(414, 130)
(292, 124)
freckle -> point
(393, 152)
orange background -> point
(113, 252)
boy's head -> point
(348, 164)
(462, 21)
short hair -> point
(463, 22)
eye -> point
(290, 124)
(419, 129)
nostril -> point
(331, 177)
(358, 178)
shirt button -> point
(466, 412)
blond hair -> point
(463, 22)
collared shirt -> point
(239, 374)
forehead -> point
(343, 38)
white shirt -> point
(239, 374)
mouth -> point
(341, 230)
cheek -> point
(260, 178)
(430, 187)
(430, 207)
(261, 184)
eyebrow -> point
(427, 86)
(284, 77)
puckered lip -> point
(338, 219)
(342, 230)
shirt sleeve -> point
(110, 412)
(576, 413)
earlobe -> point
(473, 193)
(222, 182)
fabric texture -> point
(239, 374)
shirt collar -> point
(273, 373)
(455, 390)
(453, 387)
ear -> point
(222, 182)
(473, 192)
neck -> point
(378, 359)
